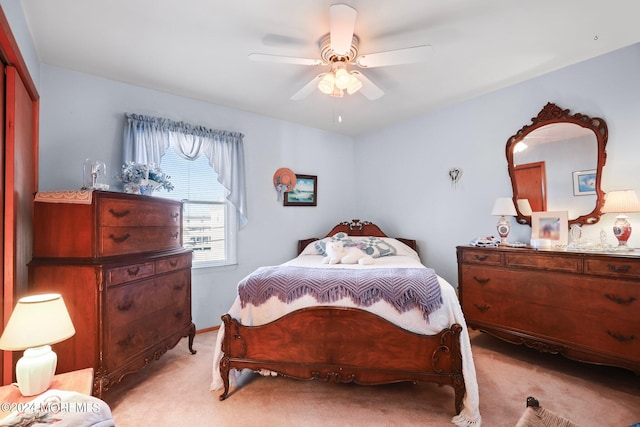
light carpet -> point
(174, 391)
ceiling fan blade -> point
(409, 55)
(342, 25)
(308, 88)
(369, 89)
(262, 57)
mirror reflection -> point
(556, 163)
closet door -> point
(6, 301)
(20, 184)
(18, 178)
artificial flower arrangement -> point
(149, 176)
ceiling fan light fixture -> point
(326, 83)
(342, 78)
(354, 84)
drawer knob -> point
(125, 342)
(482, 281)
(481, 257)
(133, 271)
(178, 287)
(179, 315)
(175, 235)
(618, 300)
(620, 269)
(121, 214)
(482, 308)
(175, 215)
(620, 337)
(173, 263)
(119, 239)
(126, 306)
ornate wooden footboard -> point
(345, 345)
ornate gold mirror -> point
(555, 163)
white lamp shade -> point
(342, 78)
(326, 83)
(524, 207)
(36, 321)
(504, 206)
(621, 201)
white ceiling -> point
(198, 49)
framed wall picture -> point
(552, 226)
(305, 193)
(584, 182)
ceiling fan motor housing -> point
(329, 56)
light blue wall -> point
(410, 194)
(396, 177)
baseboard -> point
(211, 329)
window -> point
(213, 210)
(209, 220)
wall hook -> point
(454, 175)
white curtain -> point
(146, 139)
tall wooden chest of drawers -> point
(585, 306)
(118, 261)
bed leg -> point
(224, 373)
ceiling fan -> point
(338, 50)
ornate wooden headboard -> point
(356, 227)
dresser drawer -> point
(115, 212)
(126, 342)
(613, 267)
(549, 262)
(601, 334)
(174, 263)
(118, 275)
(128, 240)
(480, 256)
(571, 292)
(129, 303)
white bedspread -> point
(450, 312)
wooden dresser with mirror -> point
(583, 305)
(117, 259)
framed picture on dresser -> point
(552, 226)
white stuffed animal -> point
(337, 253)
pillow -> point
(376, 247)
(318, 247)
(402, 249)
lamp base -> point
(622, 231)
(35, 370)
(503, 227)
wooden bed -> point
(344, 345)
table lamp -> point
(503, 207)
(621, 202)
(36, 322)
